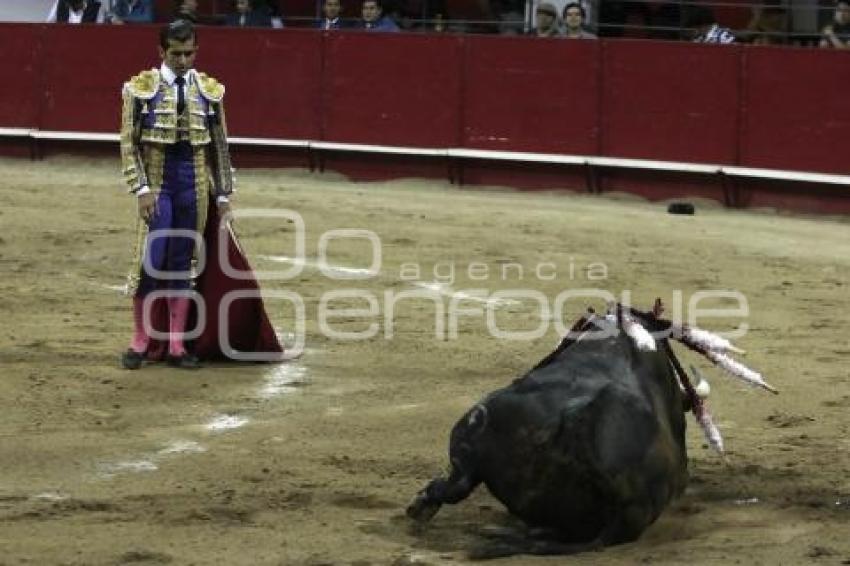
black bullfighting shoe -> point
(184, 361)
(132, 359)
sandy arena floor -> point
(313, 461)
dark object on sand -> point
(680, 208)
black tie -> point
(181, 95)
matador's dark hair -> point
(178, 30)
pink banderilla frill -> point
(713, 347)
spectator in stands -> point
(705, 29)
(510, 14)
(547, 21)
(574, 17)
(186, 10)
(247, 15)
(131, 12)
(332, 20)
(373, 18)
(837, 34)
(768, 25)
(77, 12)
(439, 23)
(273, 9)
(403, 12)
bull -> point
(588, 447)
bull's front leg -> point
(457, 487)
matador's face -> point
(180, 55)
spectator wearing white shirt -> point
(837, 34)
(705, 29)
(76, 12)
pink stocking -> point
(140, 340)
(178, 312)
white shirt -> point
(74, 17)
(170, 76)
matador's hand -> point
(147, 206)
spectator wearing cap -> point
(574, 18)
(837, 34)
(547, 21)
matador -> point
(175, 159)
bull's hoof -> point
(422, 509)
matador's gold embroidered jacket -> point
(149, 122)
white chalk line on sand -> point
(149, 462)
(334, 269)
(221, 423)
(49, 496)
(447, 291)
(437, 287)
(107, 287)
(282, 379)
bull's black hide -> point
(589, 445)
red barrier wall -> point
(273, 80)
(82, 70)
(796, 116)
(20, 75)
(764, 107)
(683, 107)
(538, 96)
(392, 89)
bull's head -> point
(649, 331)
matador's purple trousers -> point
(176, 208)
